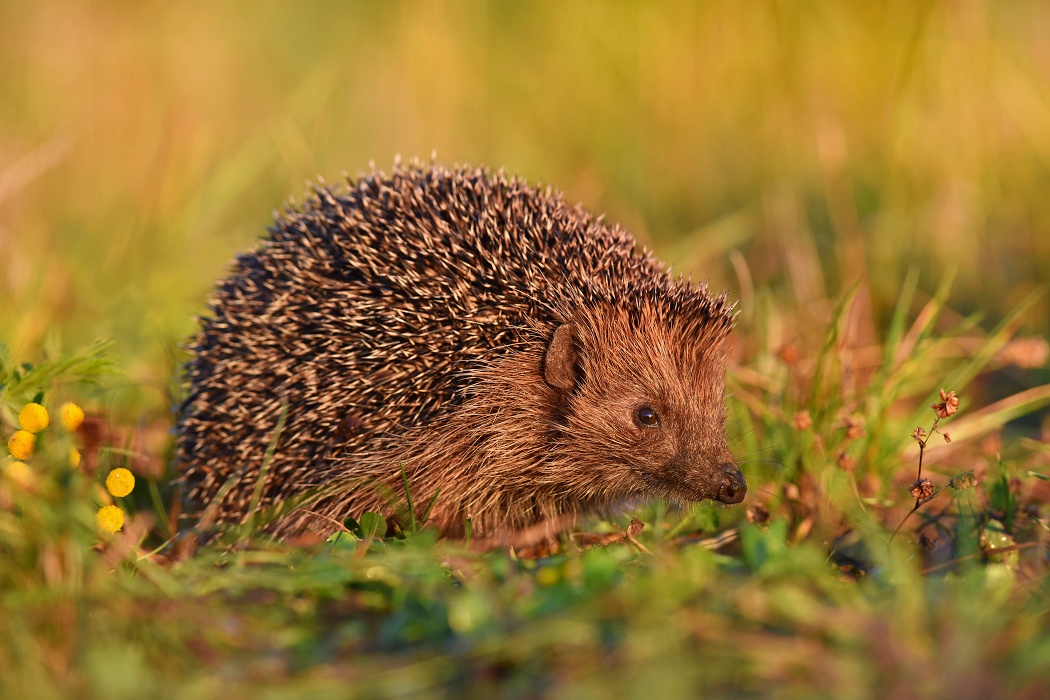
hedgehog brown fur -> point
(513, 355)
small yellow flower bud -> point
(33, 417)
(20, 474)
(22, 444)
(71, 415)
(74, 457)
(110, 518)
(120, 482)
(548, 576)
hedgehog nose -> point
(733, 486)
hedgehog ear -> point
(559, 363)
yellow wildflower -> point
(20, 473)
(33, 417)
(74, 457)
(71, 415)
(110, 518)
(120, 482)
(22, 444)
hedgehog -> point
(458, 340)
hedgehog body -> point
(513, 359)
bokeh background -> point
(783, 151)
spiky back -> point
(366, 309)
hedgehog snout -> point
(733, 486)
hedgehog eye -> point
(647, 417)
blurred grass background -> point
(788, 148)
(793, 153)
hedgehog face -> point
(649, 409)
(663, 430)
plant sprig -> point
(924, 490)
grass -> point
(808, 589)
(868, 180)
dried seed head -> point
(922, 490)
(948, 406)
(789, 354)
(635, 528)
(846, 462)
(758, 513)
(854, 426)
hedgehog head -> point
(642, 381)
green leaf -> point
(342, 540)
(372, 525)
(759, 545)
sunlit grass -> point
(819, 585)
(869, 180)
